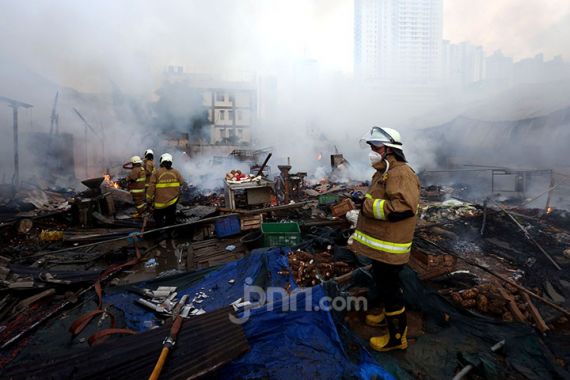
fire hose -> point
(170, 340)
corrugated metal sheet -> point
(204, 343)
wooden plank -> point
(540, 324)
(517, 313)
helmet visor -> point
(376, 136)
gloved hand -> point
(352, 217)
(357, 197)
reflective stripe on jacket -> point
(385, 227)
(164, 187)
(137, 179)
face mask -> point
(374, 157)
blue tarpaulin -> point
(303, 343)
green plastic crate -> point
(327, 199)
(280, 234)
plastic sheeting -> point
(222, 286)
(303, 343)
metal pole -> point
(549, 192)
(136, 234)
(529, 238)
(16, 158)
(85, 149)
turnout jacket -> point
(149, 167)
(164, 187)
(386, 224)
(136, 180)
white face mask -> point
(374, 157)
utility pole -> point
(88, 126)
(15, 104)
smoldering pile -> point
(310, 269)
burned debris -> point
(83, 262)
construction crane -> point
(15, 104)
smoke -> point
(108, 58)
(519, 28)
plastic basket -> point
(227, 226)
(281, 234)
(327, 199)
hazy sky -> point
(80, 42)
(521, 28)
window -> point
(222, 115)
(239, 115)
(220, 96)
(222, 132)
(230, 115)
(240, 132)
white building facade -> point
(398, 41)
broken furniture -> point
(256, 192)
(288, 186)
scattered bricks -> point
(470, 293)
(456, 297)
(496, 306)
(469, 303)
(482, 303)
(310, 269)
(449, 260)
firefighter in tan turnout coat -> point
(136, 184)
(148, 164)
(385, 230)
(163, 192)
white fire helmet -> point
(379, 136)
(166, 157)
(148, 151)
(136, 160)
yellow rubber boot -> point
(376, 320)
(396, 339)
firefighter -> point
(136, 184)
(148, 164)
(385, 229)
(163, 192)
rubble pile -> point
(91, 237)
(506, 303)
(311, 269)
(449, 210)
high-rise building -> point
(499, 68)
(398, 41)
(463, 64)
